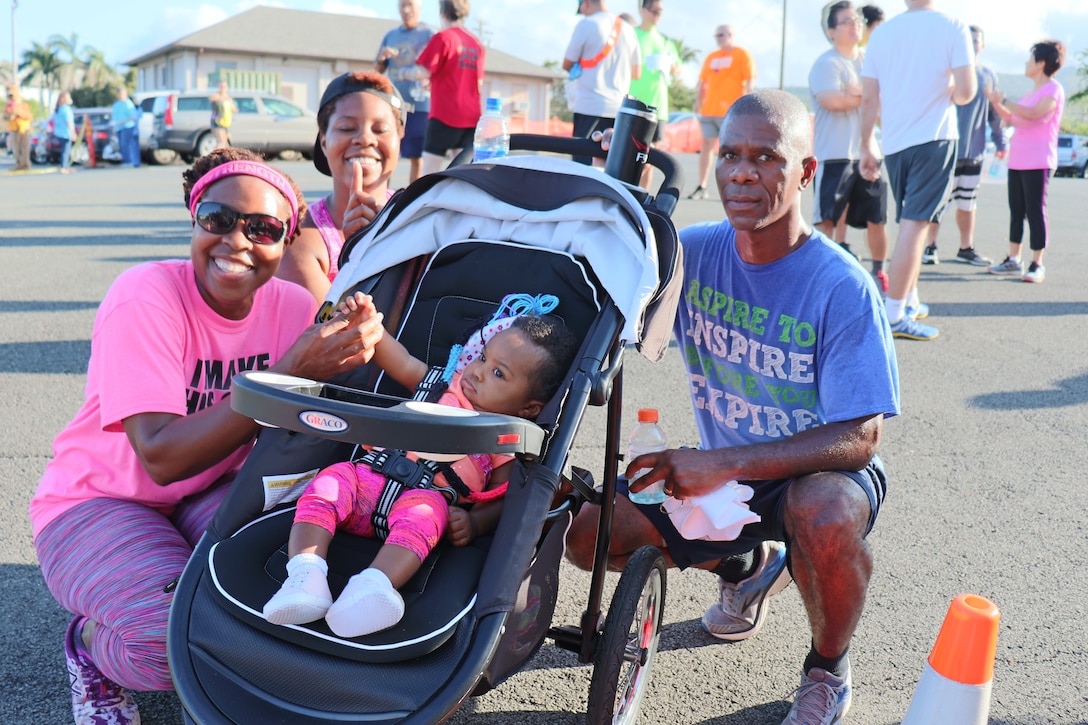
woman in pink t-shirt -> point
(1033, 156)
(360, 123)
(137, 475)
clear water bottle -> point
(492, 139)
(647, 437)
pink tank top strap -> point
(334, 238)
(330, 233)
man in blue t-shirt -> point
(397, 58)
(123, 117)
(792, 371)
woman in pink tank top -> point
(360, 124)
(1033, 156)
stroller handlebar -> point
(667, 194)
(439, 432)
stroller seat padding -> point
(249, 567)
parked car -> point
(45, 147)
(1072, 155)
(681, 134)
(264, 123)
(149, 149)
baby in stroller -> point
(512, 366)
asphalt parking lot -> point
(986, 467)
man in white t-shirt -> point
(917, 65)
(835, 84)
(602, 58)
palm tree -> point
(42, 65)
(685, 53)
(97, 72)
(72, 68)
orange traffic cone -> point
(955, 684)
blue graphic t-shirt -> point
(775, 349)
(408, 43)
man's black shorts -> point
(769, 501)
(584, 126)
(440, 138)
(840, 183)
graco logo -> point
(322, 421)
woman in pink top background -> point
(360, 124)
(1033, 156)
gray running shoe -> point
(742, 607)
(970, 256)
(1008, 268)
(929, 256)
(822, 699)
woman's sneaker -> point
(1009, 267)
(930, 256)
(699, 193)
(96, 700)
(741, 608)
(1036, 273)
(822, 699)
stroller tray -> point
(247, 569)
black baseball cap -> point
(341, 86)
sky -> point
(538, 30)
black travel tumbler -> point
(631, 139)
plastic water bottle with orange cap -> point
(647, 437)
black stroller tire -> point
(628, 643)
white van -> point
(1072, 155)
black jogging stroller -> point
(443, 252)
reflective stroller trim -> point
(401, 644)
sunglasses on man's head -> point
(258, 228)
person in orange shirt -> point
(728, 73)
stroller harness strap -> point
(402, 472)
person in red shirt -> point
(455, 60)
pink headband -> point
(247, 168)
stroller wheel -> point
(627, 646)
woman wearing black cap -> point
(360, 123)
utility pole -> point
(482, 34)
(14, 60)
(782, 60)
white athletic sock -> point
(912, 299)
(895, 309)
(298, 562)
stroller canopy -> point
(539, 201)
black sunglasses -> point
(258, 228)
